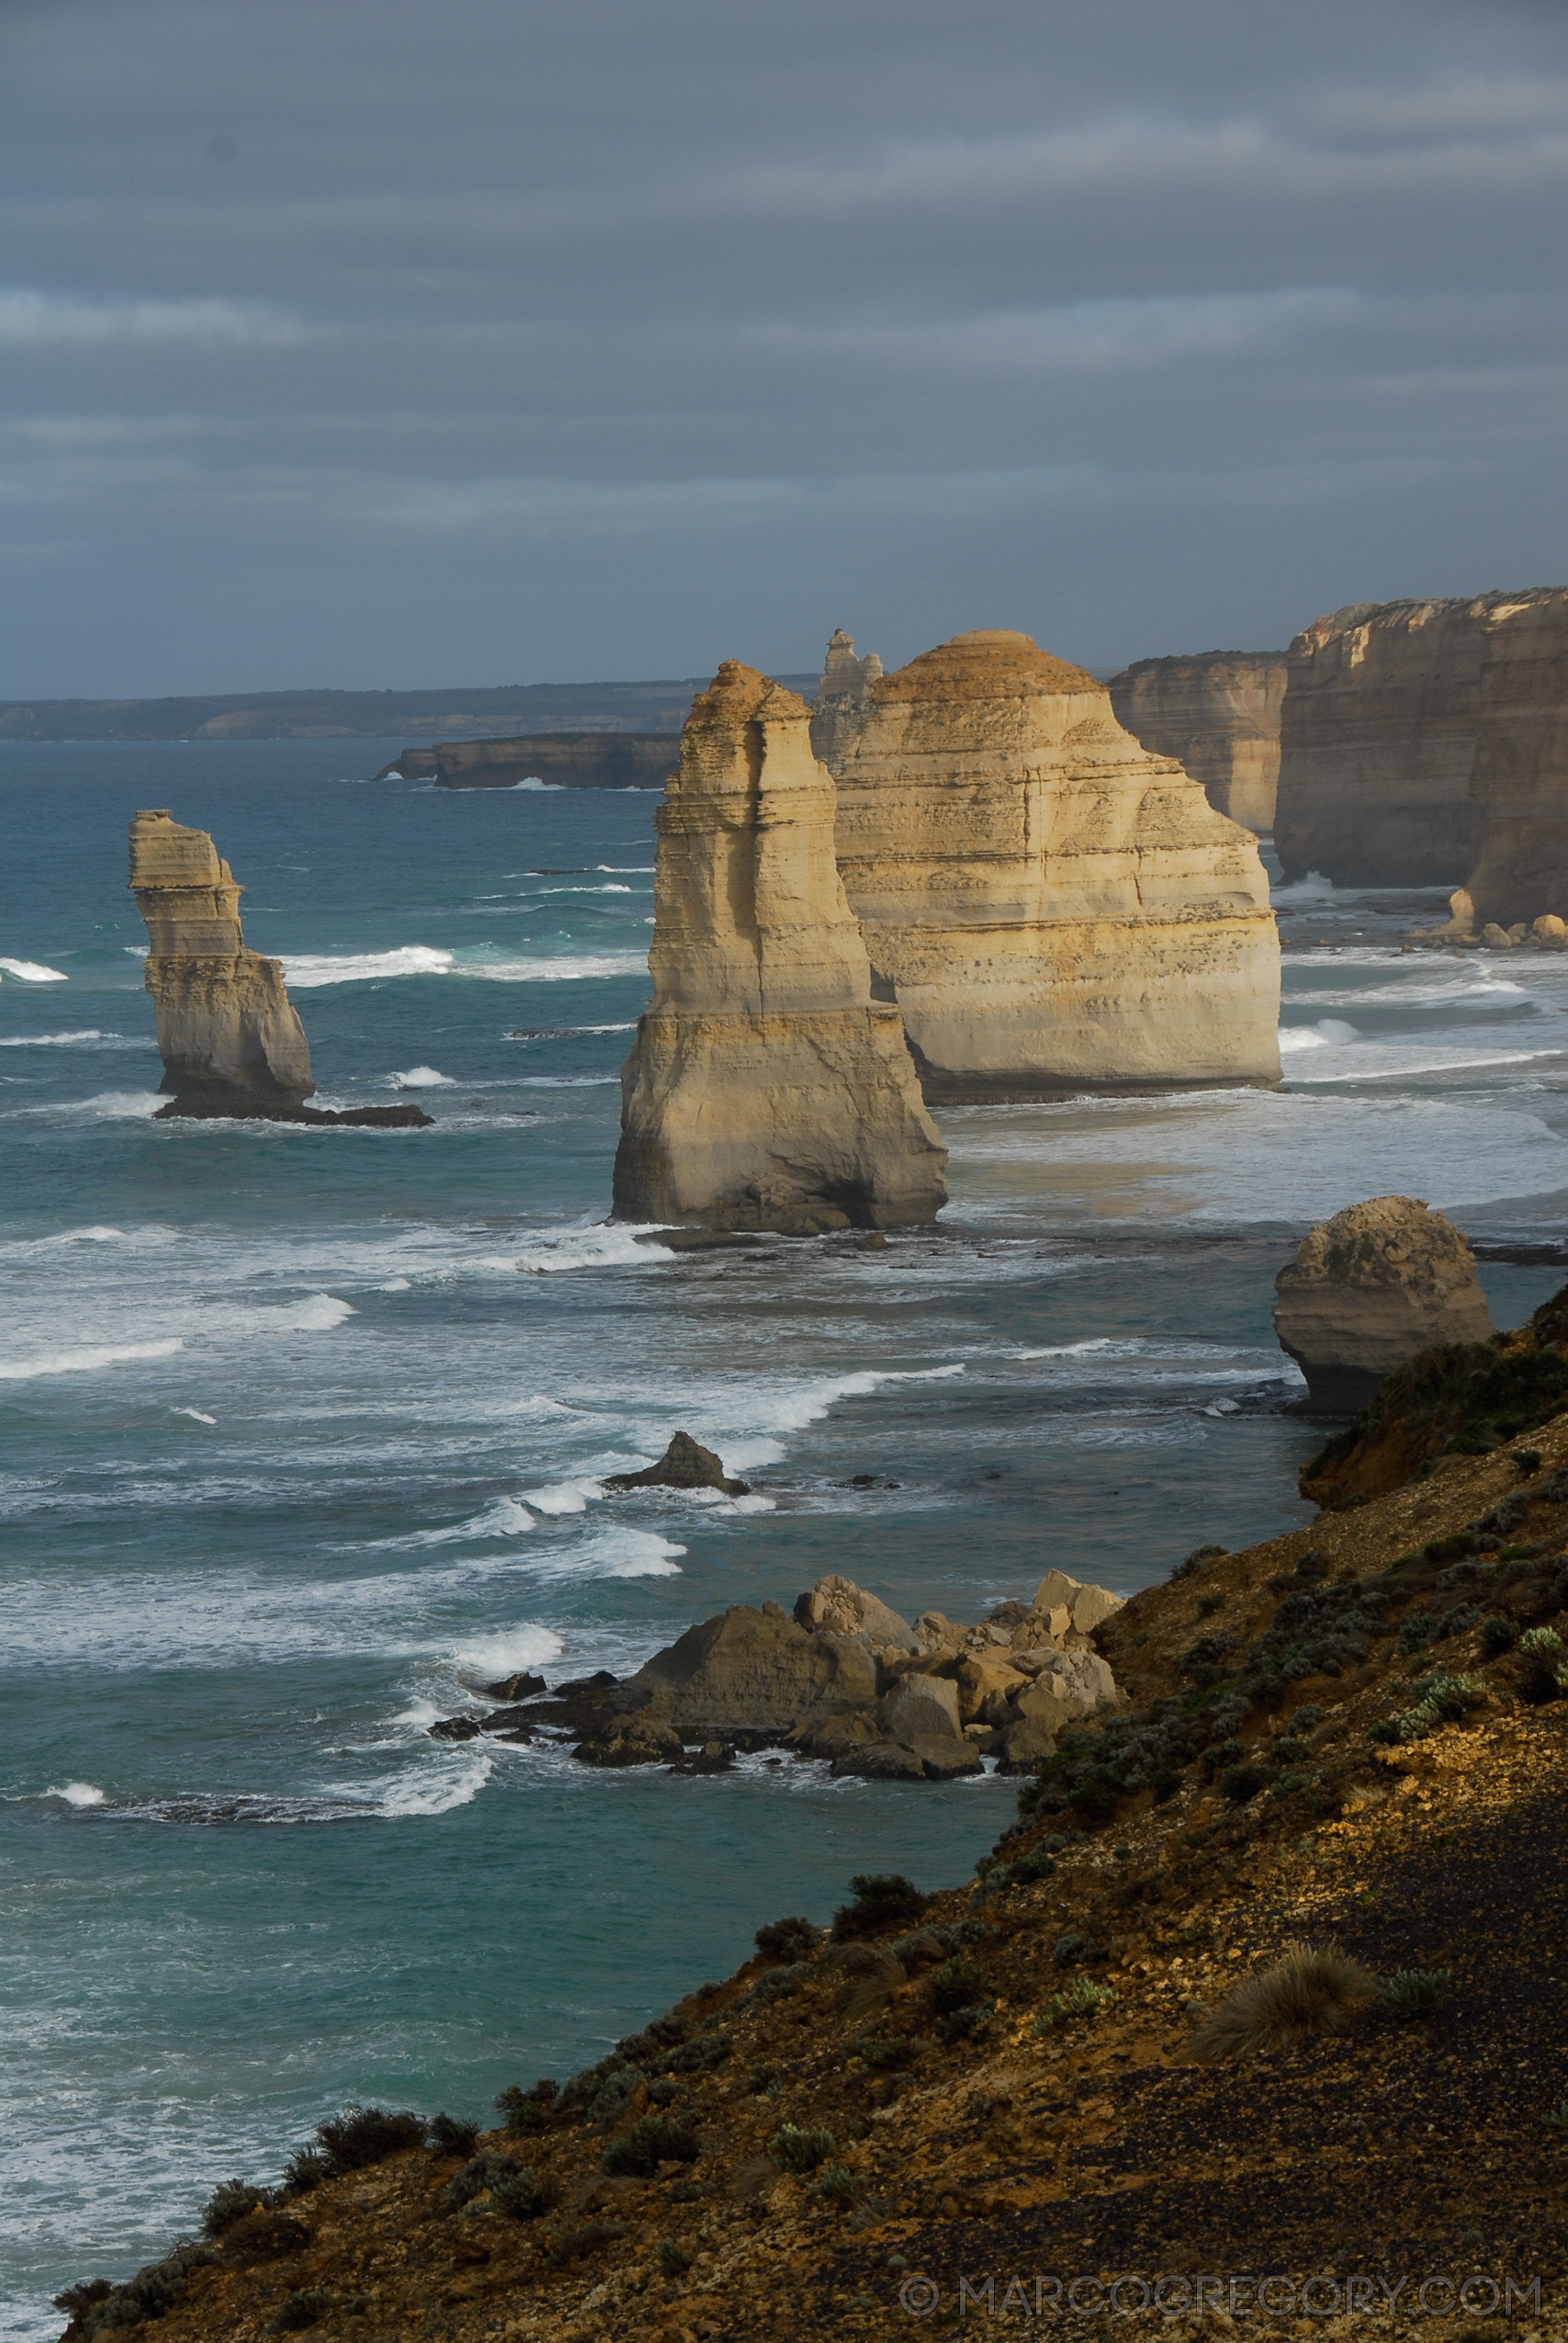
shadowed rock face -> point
(1049, 906)
(1369, 1290)
(227, 1033)
(1519, 783)
(1218, 714)
(766, 1089)
(842, 698)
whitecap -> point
(396, 1285)
(1326, 1033)
(116, 1105)
(504, 1517)
(506, 1651)
(86, 1359)
(616, 1553)
(597, 1248)
(564, 1497)
(33, 972)
(430, 1789)
(307, 970)
(195, 1414)
(568, 968)
(420, 1078)
(76, 1793)
(532, 781)
(1313, 889)
(55, 1040)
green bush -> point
(365, 2136)
(788, 1939)
(306, 2170)
(151, 2294)
(1540, 1671)
(956, 1982)
(303, 2308)
(838, 2184)
(795, 2149)
(887, 2051)
(513, 2188)
(1415, 1993)
(1081, 2000)
(970, 2017)
(672, 2259)
(526, 2112)
(453, 2134)
(1072, 1947)
(1498, 1634)
(653, 2140)
(229, 2203)
(1441, 1699)
(882, 1901)
(1242, 1783)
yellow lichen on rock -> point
(1050, 907)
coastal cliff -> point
(766, 1089)
(562, 760)
(1050, 907)
(1218, 714)
(1518, 785)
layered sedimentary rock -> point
(1218, 714)
(842, 697)
(227, 1034)
(1377, 740)
(1519, 783)
(1369, 1290)
(562, 760)
(1050, 907)
(766, 1088)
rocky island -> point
(1367, 1290)
(767, 1088)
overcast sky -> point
(419, 342)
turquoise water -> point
(302, 1432)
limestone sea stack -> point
(1218, 714)
(838, 711)
(1050, 907)
(230, 1040)
(1369, 1290)
(765, 1089)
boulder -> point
(833, 1737)
(985, 1688)
(1087, 1606)
(838, 1604)
(921, 1707)
(754, 1671)
(632, 1740)
(1369, 1290)
(523, 1686)
(767, 1088)
(882, 1761)
(936, 1635)
(945, 1761)
(686, 1463)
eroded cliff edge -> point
(1050, 907)
(766, 1089)
(1218, 714)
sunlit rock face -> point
(1369, 1290)
(227, 1031)
(1519, 783)
(1218, 714)
(1050, 907)
(766, 1089)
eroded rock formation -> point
(686, 1463)
(1218, 714)
(231, 1041)
(842, 697)
(1369, 1290)
(1050, 907)
(1518, 785)
(766, 1088)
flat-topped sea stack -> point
(766, 1089)
(1050, 907)
(1218, 714)
(229, 1038)
(1369, 1290)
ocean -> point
(303, 1432)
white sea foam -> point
(569, 967)
(618, 1553)
(505, 1517)
(55, 1040)
(420, 1078)
(86, 1359)
(532, 781)
(76, 1793)
(602, 1247)
(396, 1285)
(568, 1082)
(609, 889)
(504, 1651)
(33, 972)
(1313, 889)
(565, 1496)
(119, 1105)
(430, 1788)
(195, 1414)
(305, 971)
(1326, 1032)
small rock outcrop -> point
(686, 1463)
(1050, 907)
(1369, 1290)
(230, 1040)
(838, 1604)
(766, 1089)
(838, 711)
(1218, 714)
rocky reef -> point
(1050, 907)
(1218, 714)
(229, 1038)
(563, 760)
(844, 1679)
(843, 695)
(1367, 1290)
(766, 1088)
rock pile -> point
(846, 1679)
(766, 1089)
(1369, 1290)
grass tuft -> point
(1312, 1988)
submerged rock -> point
(1369, 1290)
(230, 1040)
(766, 1088)
(686, 1463)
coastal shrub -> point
(1071, 1949)
(1540, 1675)
(788, 1939)
(1201, 1663)
(883, 2052)
(306, 2170)
(1440, 1699)
(957, 2025)
(610, 2101)
(1241, 1783)
(519, 2195)
(1311, 1989)
(1526, 1459)
(798, 2150)
(1557, 2117)
(151, 2294)
(1415, 1993)
(527, 2111)
(698, 2056)
(81, 2297)
(1209, 1603)
(1191, 1563)
(653, 2140)
(882, 1901)
(956, 1982)
(231, 2201)
(363, 2136)
(1081, 1999)
(777, 1984)
(665, 2088)
(1497, 1634)
(760, 2079)
(659, 2034)
(303, 2308)
(1420, 1628)
(837, 2185)
(581, 2237)
(453, 2134)
(673, 2258)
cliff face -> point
(1520, 780)
(1218, 715)
(228, 1036)
(842, 698)
(765, 1089)
(1049, 906)
(569, 760)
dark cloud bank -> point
(370, 342)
